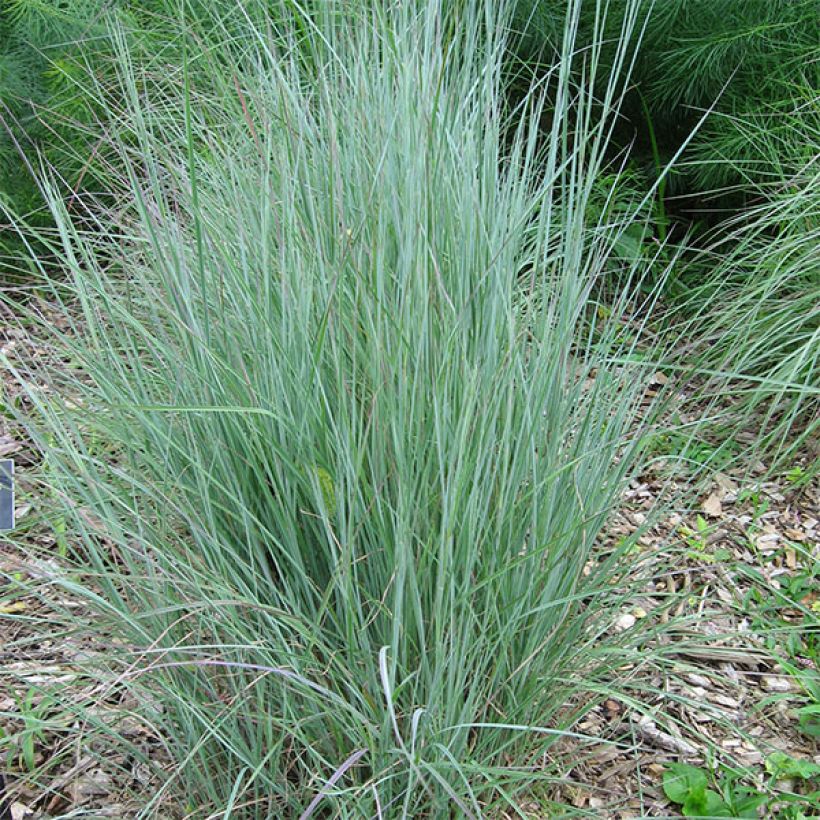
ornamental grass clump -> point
(336, 421)
(758, 335)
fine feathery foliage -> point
(336, 422)
(42, 46)
(56, 68)
(756, 64)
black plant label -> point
(6, 496)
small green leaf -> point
(795, 474)
(716, 805)
(782, 765)
(326, 487)
(747, 807)
(704, 802)
(695, 803)
(809, 719)
(680, 781)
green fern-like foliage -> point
(56, 68)
(760, 143)
(695, 49)
(754, 63)
(42, 42)
(758, 63)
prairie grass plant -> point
(335, 420)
